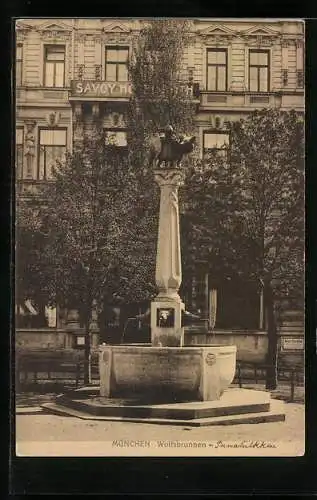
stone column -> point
(166, 309)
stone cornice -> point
(256, 35)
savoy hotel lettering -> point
(100, 89)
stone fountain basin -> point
(166, 374)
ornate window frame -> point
(221, 45)
(55, 34)
(44, 61)
(247, 50)
(114, 35)
(54, 42)
(217, 49)
(105, 46)
(39, 129)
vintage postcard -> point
(159, 307)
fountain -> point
(166, 381)
(166, 370)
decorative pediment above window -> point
(260, 31)
(116, 33)
(218, 29)
(21, 30)
(58, 31)
(260, 35)
(218, 33)
(116, 28)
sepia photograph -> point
(159, 237)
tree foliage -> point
(90, 233)
(246, 206)
(249, 202)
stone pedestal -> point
(166, 323)
(166, 309)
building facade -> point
(70, 72)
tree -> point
(247, 209)
(84, 221)
(94, 225)
(160, 96)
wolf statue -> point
(170, 149)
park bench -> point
(294, 374)
(58, 366)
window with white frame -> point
(259, 70)
(215, 142)
(115, 137)
(54, 66)
(117, 63)
(19, 138)
(18, 64)
(52, 147)
(217, 69)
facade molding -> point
(117, 28)
(21, 30)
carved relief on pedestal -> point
(211, 359)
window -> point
(215, 142)
(52, 148)
(18, 65)
(117, 64)
(19, 137)
(217, 69)
(259, 70)
(115, 137)
(33, 314)
(54, 66)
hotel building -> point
(70, 71)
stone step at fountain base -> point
(236, 406)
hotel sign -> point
(96, 89)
